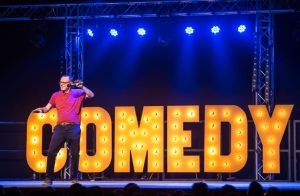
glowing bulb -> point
(40, 164)
(33, 127)
(155, 151)
(155, 114)
(239, 120)
(34, 140)
(264, 126)
(212, 113)
(212, 151)
(97, 115)
(146, 119)
(211, 138)
(174, 151)
(177, 113)
(104, 152)
(122, 126)
(104, 127)
(175, 139)
(175, 125)
(122, 114)
(103, 139)
(226, 113)
(122, 139)
(282, 113)
(144, 132)
(191, 113)
(34, 152)
(122, 151)
(133, 132)
(270, 139)
(97, 164)
(259, 113)
(131, 119)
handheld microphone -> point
(75, 83)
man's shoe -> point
(47, 182)
(74, 180)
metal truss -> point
(66, 174)
(74, 48)
(263, 75)
(142, 9)
(74, 60)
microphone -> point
(75, 83)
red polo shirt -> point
(68, 105)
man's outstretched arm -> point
(43, 109)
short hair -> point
(70, 77)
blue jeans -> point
(64, 133)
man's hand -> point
(38, 110)
(78, 83)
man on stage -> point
(68, 103)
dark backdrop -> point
(165, 67)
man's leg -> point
(73, 140)
(57, 140)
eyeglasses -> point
(63, 82)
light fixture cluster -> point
(189, 30)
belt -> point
(66, 123)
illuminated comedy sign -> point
(134, 139)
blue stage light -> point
(189, 30)
(113, 32)
(215, 29)
(242, 28)
(141, 31)
(90, 33)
